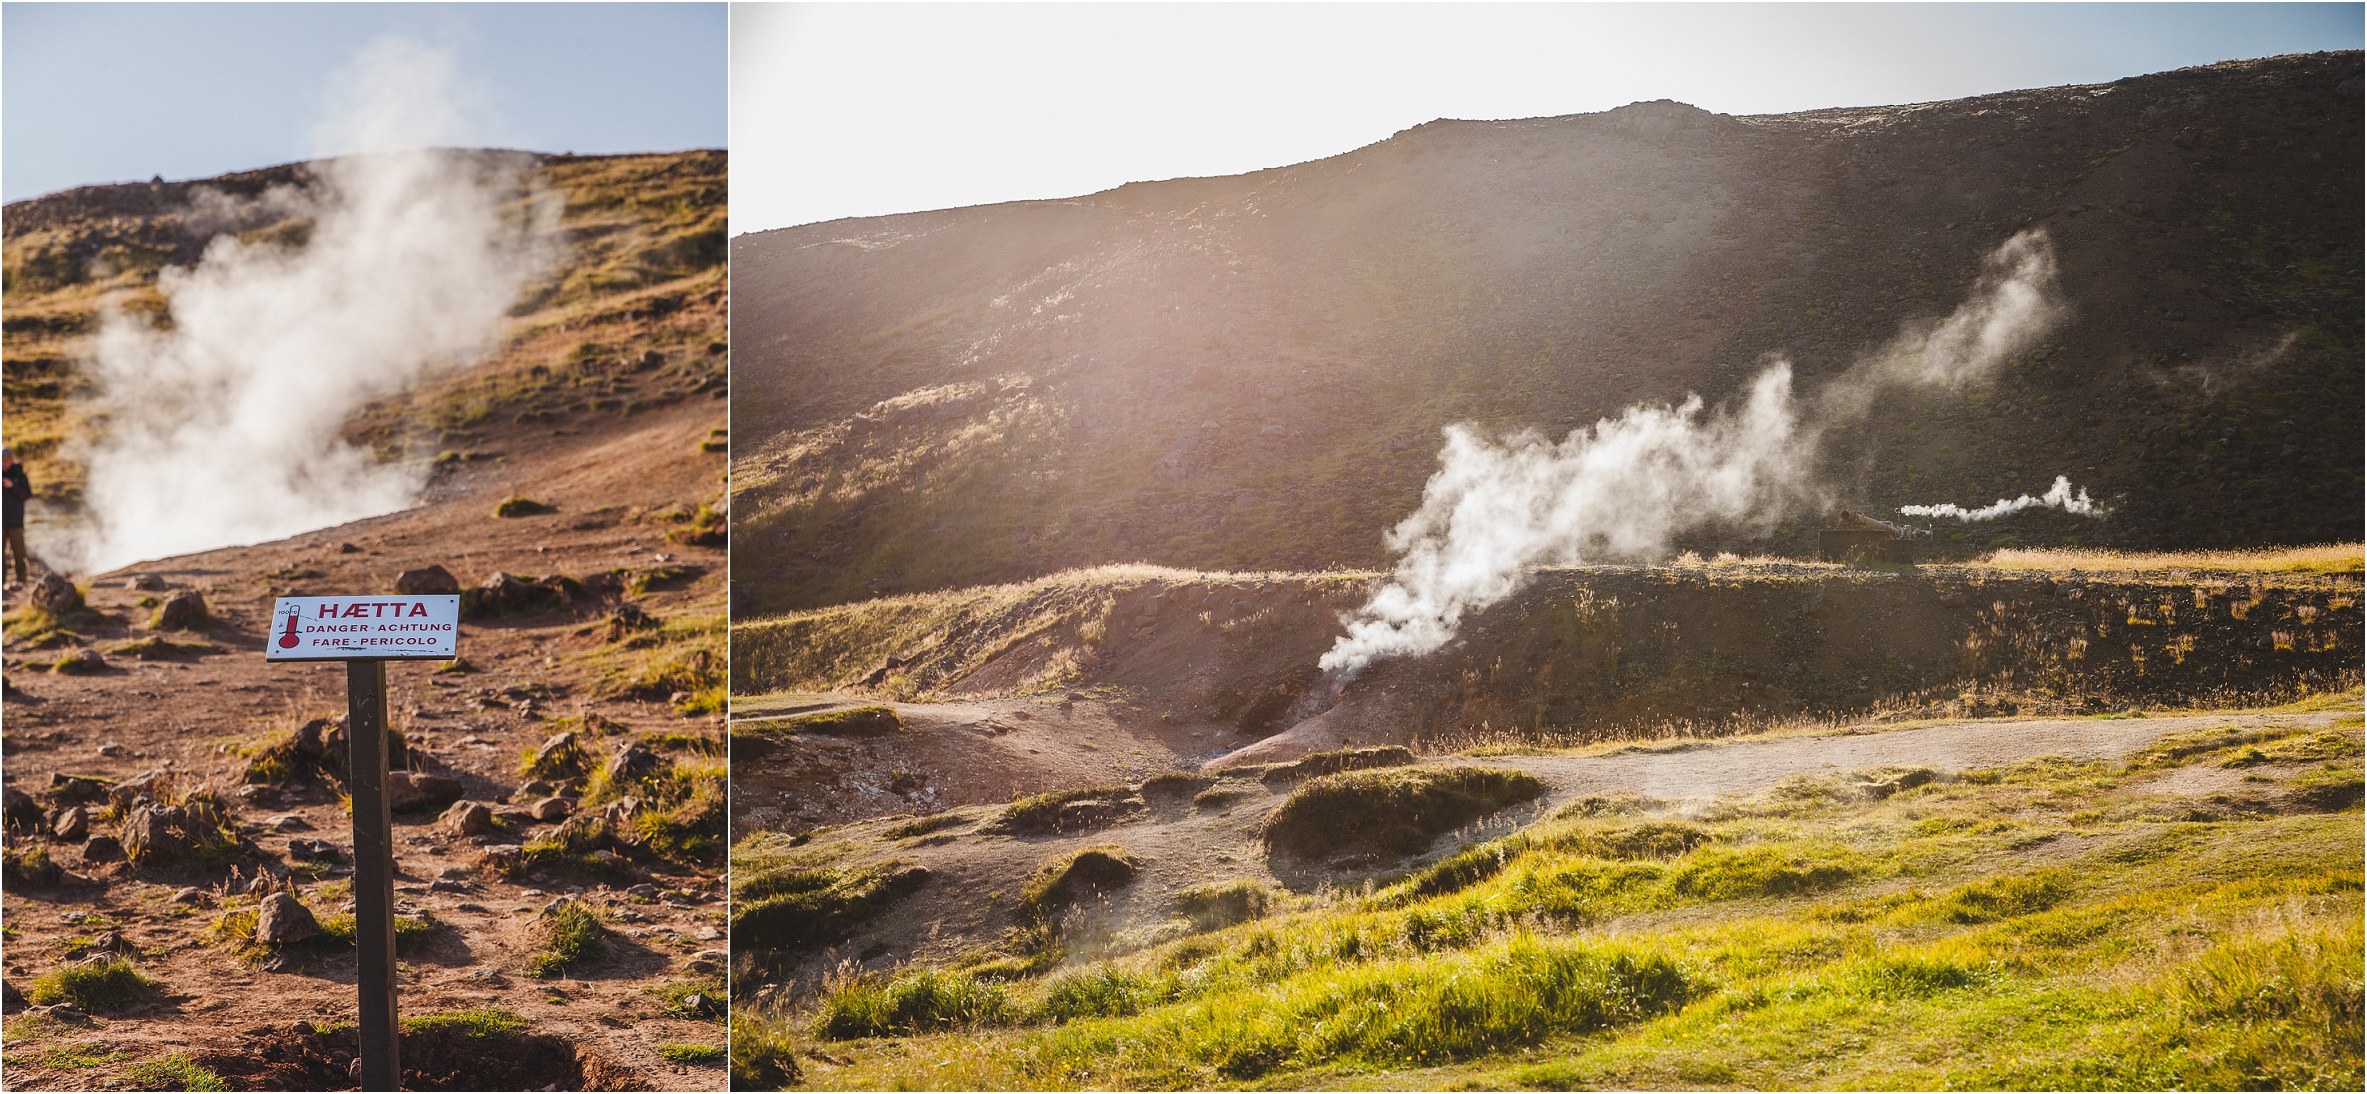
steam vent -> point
(1857, 537)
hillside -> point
(163, 782)
(1252, 372)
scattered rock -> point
(64, 1012)
(313, 850)
(189, 895)
(701, 1004)
(181, 611)
(500, 860)
(468, 818)
(20, 810)
(552, 809)
(411, 791)
(55, 595)
(447, 885)
(427, 581)
(643, 890)
(76, 788)
(153, 831)
(81, 660)
(286, 822)
(72, 823)
(102, 849)
(11, 1000)
(280, 962)
(632, 763)
(283, 919)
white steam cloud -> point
(2059, 497)
(222, 426)
(1626, 487)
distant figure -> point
(17, 489)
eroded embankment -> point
(1597, 651)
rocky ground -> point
(179, 722)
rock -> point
(81, 660)
(313, 850)
(146, 583)
(286, 822)
(632, 763)
(643, 890)
(558, 751)
(500, 860)
(312, 737)
(64, 1012)
(349, 549)
(153, 831)
(11, 1000)
(701, 1004)
(181, 611)
(189, 894)
(280, 962)
(282, 920)
(72, 823)
(20, 810)
(503, 594)
(102, 849)
(112, 941)
(76, 788)
(552, 809)
(427, 581)
(532, 788)
(447, 885)
(467, 818)
(55, 595)
(515, 818)
(410, 791)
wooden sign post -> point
(366, 632)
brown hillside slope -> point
(603, 403)
(1251, 372)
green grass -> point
(476, 1023)
(1390, 810)
(763, 1057)
(95, 986)
(691, 1053)
(174, 1071)
(782, 901)
(674, 998)
(1070, 878)
(2047, 924)
(863, 721)
(921, 826)
(568, 939)
(521, 507)
(1041, 813)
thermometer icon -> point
(288, 641)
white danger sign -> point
(341, 628)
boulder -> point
(102, 849)
(11, 1000)
(632, 763)
(146, 583)
(55, 595)
(282, 920)
(558, 754)
(503, 594)
(409, 791)
(20, 810)
(552, 809)
(72, 823)
(181, 611)
(154, 830)
(467, 818)
(427, 581)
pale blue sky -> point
(121, 92)
(863, 109)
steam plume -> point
(1626, 487)
(222, 426)
(2060, 497)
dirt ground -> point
(189, 714)
(973, 877)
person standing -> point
(17, 490)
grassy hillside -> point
(2188, 916)
(1250, 373)
(1579, 654)
(633, 314)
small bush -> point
(1066, 880)
(925, 1001)
(1392, 810)
(924, 825)
(1097, 993)
(569, 937)
(691, 1053)
(1211, 907)
(762, 1056)
(105, 984)
(1048, 812)
(798, 908)
(476, 1023)
(521, 507)
(174, 1071)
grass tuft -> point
(569, 937)
(1390, 810)
(97, 986)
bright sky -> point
(845, 110)
(121, 92)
